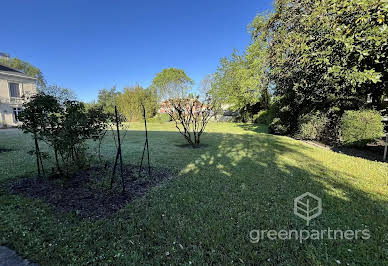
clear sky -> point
(89, 45)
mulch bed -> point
(87, 193)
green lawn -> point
(242, 179)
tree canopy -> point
(171, 83)
(241, 79)
(107, 99)
(130, 103)
(325, 55)
(322, 56)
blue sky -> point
(89, 45)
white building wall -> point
(26, 88)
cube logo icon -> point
(307, 206)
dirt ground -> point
(87, 193)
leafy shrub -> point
(312, 126)
(158, 118)
(359, 128)
(263, 117)
(65, 127)
(278, 127)
(281, 123)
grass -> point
(243, 179)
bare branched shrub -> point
(190, 116)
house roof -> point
(13, 72)
(9, 69)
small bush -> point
(278, 127)
(264, 117)
(281, 123)
(359, 128)
(160, 118)
(312, 126)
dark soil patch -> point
(5, 150)
(87, 193)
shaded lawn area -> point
(243, 179)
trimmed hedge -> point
(359, 128)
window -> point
(16, 112)
(14, 89)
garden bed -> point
(87, 193)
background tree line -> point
(168, 84)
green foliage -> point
(280, 112)
(90, 105)
(160, 118)
(171, 83)
(277, 127)
(359, 128)
(264, 117)
(39, 117)
(324, 54)
(26, 68)
(243, 117)
(107, 98)
(64, 126)
(241, 80)
(39, 113)
(313, 126)
(131, 100)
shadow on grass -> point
(246, 182)
(258, 128)
(240, 182)
(372, 152)
(202, 146)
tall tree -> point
(130, 103)
(107, 99)
(324, 55)
(241, 80)
(171, 83)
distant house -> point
(15, 87)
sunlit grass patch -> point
(243, 179)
